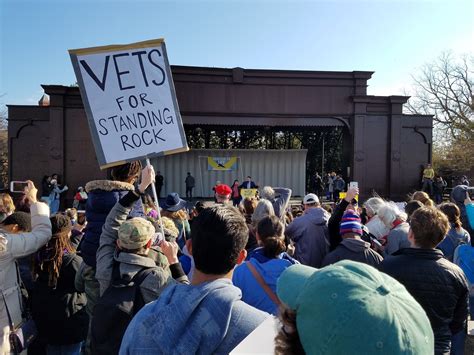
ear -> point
(15, 228)
(242, 256)
(189, 246)
(118, 244)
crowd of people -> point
(129, 277)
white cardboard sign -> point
(130, 101)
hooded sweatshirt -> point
(192, 319)
(311, 236)
(458, 195)
(355, 250)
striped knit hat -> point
(350, 223)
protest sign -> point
(248, 193)
(130, 101)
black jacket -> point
(60, 313)
(355, 250)
(334, 224)
(438, 285)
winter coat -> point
(60, 312)
(334, 224)
(397, 239)
(339, 184)
(102, 196)
(470, 215)
(452, 240)
(17, 246)
(438, 285)
(190, 182)
(129, 263)
(355, 250)
(270, 269)
(311, 236)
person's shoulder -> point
(250, 314)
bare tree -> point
(444, 89)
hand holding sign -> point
(148, 177)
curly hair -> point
(423, 197)
(50, 257)
(287, 341)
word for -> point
(122, 70)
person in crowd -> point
(263, 209)
(469, 208)
(13, 247)
(55, 195)
(423, 197)
(349, 308)
(375, 226)
(7, 207)
(212, 317)
(459, 195)
(317, 185)
(102, 197)
(248, 184)
(258, 276)
(190, 184)
(58, 309)
(339, 186)
(16, 223)
(249, 205)
(427, 180)
(222, 194)
(396, 221)
(125, 251)
(46, 188)
(310, 233)
(438, 189)
(236, 198)
(457, 235)
(150, 207)
(279, 198)
(464, 181)
(330, 185)
(174, 209)
(80, 199)
(352, 246)
(159, 182)
(335, 218)
(437, 284)
(411, 207)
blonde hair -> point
(6, 204)
(175, 215)
(423, 197)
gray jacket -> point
(13, 247)
(279, 203)
(130, 264)
(311, 236)
(397, 239)
(355, 250)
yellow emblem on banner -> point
(227, 163)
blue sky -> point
(392, 38)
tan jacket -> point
(17, 246)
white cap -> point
(310, 199)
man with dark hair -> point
(437, 284)
(190, 183)
(17, 222)
(207, 316)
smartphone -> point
(81, 217)
(353, 184)
(18, 186)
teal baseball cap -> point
(352, 308)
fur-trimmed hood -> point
(108, 185)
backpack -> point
(114, 311)
(464, 258)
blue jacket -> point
(208, 318)
(452, 240)
(270, 269)
(103, 195)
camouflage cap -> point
(135, 233)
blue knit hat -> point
(350, 223)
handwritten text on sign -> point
(131, 99)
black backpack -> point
(114, 311)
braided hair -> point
(50, 257)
